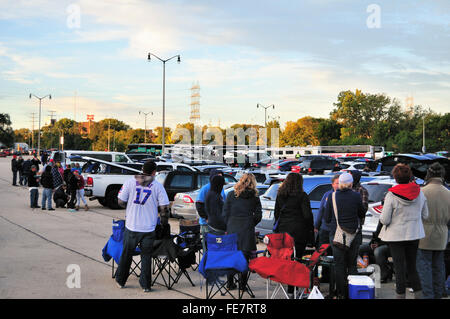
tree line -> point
(356, 118)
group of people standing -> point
(64, 187)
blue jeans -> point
(345, 262)
(47, 197)
(430, 266)
(131, 240)
(34, 196)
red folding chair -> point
(281, 266)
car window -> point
(229, 179)
(344, 166)
(183, 169)
(120, 158)
(360, 166)
(377, 192)
(182, 181)
(317, 193)
(164, 168)
(160, 178)
(103, 157)
(260, 178)
(204, 179)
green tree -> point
(6, 132)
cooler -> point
(361, 287)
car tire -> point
(111, 198)
(102, 201)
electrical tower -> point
(195, 104)
(52, 120)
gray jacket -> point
(436, 229)
(402, 219)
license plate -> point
(267, 215)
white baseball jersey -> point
(142, 204)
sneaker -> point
(51, 209)
(146, 290)
(43, 208)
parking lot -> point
(40, 249)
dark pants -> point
(345, 263)
(404, 254)
(431, 269)
(34, 196)
(23, 179)
(14, 178)
(131, 240)
(60, 203)
(73, 198)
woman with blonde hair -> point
(242, 212)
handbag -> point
(342, 238)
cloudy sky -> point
(91, 56)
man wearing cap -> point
(143, 198)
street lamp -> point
(145, 114)
(265, 111)
(40, 102)
(164, 94)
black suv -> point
(317, 164)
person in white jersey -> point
(143, 198)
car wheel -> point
(111, 198)
(102, 201)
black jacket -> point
(296, 217)
(20, 165)
(350, 210)
(60, 194)
(72, 182)
(242, 214)
(14, 165)
(36, 163)
(47, 180)
(26, 167)
(214, 210)
(33, 181)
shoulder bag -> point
(342, 239)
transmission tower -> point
(195, 104)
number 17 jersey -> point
(142, 204)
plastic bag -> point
(315, 294)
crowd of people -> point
(61, 187)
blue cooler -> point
(361, 287)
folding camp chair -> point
(190, 237)
(281, 266)
(172, 255)
(114, 246)
(221, 259)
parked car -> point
(348, 166)
(315, 186)
(67, 157)
(184, 203)
(263, 176)
(208, 168)
(3, 154)
(140, 157)
(418, 163)
(284, 166)
(316, 164)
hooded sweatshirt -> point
(405, 206)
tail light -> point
(276, 167)
(378, 208)
(89, 182)
(309, 170)
(187, 199)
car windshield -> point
(377, 192)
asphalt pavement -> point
(58, 254)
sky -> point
(91, 56)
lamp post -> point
(265, 111)
(145, 115)
(164, 94)
(39, 134)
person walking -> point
(349, 211)
(33, 184)
(143, 198)
(214, 206)
(293, 215)
(14, 169)
(242, 211)
(405, 205)
(430, 255)
(80, 191)
(47, 183)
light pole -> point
(145, 115)
(39, 134)
(164, 94)
(265, 111)
(423, 132)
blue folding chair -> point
(221, 259)
(114, 246)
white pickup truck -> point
(103, 179)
